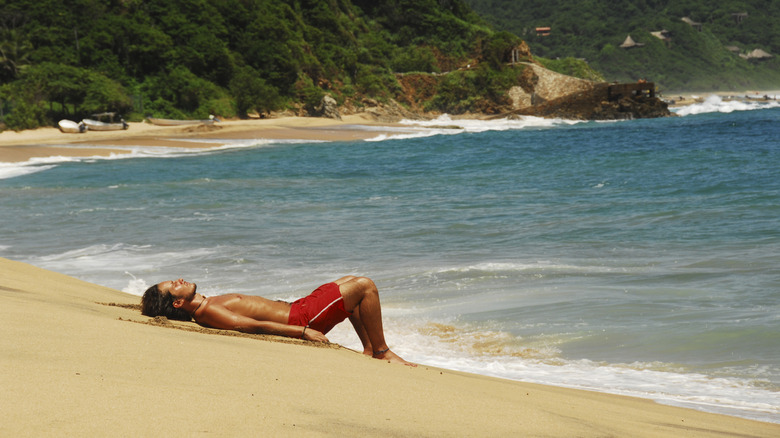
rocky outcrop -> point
(328, 108)
(545, 93)
(539, 92)
(539, 85)
(598, 104)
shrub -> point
(252, 92)
(415, 59)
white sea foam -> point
(38, 164)
(12, 170)
(422, 133)
(99, 263)
(136, 286)
(545, 266)
(501, 355)
(445, 125)
(716, 104)
(224, 143)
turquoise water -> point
(637, 257)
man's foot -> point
(389, 356)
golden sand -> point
(48, 142)
(73, 365)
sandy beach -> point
(49, 142)
(80, 360)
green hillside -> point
(695, 57)
(192, 58)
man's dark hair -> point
(156, 303)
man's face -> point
(179, 289)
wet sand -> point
(49, 142)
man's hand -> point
(313, 335)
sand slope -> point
(71, 366)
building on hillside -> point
(756, 54)
(543, 31)
(630, 43)
(692, 23)
(739, 16)
(519, 53)
(663, 35)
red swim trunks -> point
(321, 310)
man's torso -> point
(258, 308)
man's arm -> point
(220, 317)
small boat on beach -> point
(71, 127)
(96, 125)
(176, 122)
(99, 125)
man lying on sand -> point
(356, 298)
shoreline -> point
(22, 146)
(75, 365)
(16, 147)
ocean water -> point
(636, 257)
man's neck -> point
(194, 304)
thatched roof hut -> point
(662, 35)
(692, 23)
(629, 43)
(759, 54)
(739, 16)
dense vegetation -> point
(691, 60)
(192, 58)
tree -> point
(252, 92)
(15, 47)
(497, 47)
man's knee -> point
(367, 284)
(356, 289)
(362, 286)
